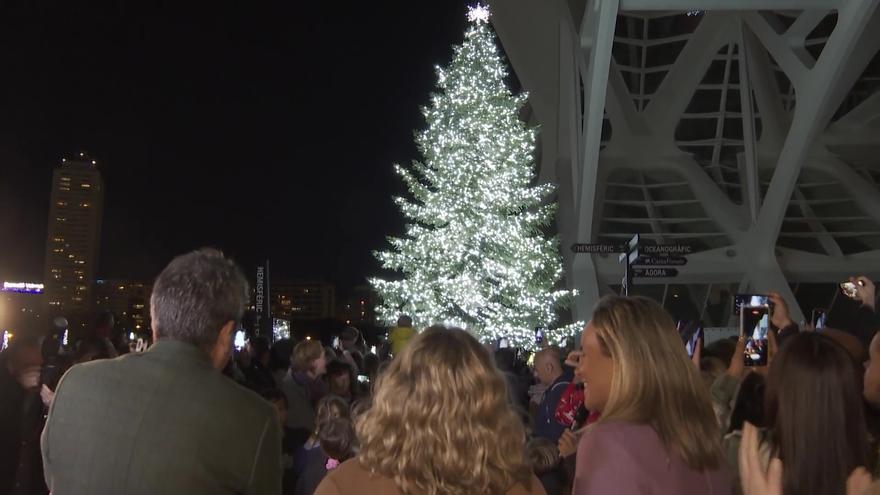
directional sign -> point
(634, 242)
(598, 248)
(632, 257)
(668, 249)
(655, 272)
(661, 261)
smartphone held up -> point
(539, 335)
(741, 300)
(851, 289)
(691, 334)
(754, 325)
(817, 318)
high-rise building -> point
(359, 307)
(73, 240)
(128, 300)
(301, 300)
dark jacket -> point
(21, 420)
(313, 470)
(258, 377)
(303, 394)
(546, 425)
(164, 421)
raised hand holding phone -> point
(865, 291)
(779, 316)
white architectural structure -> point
(749, 129)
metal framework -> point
(747, 128)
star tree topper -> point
(478, 13)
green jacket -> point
(161, 422)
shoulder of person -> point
(351, 477)
(535, 488)
(92, 371)
(560, 386)
(290, 385)
(244, 398)
(618, 437)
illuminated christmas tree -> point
(475, 253)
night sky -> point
(267, 129)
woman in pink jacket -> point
(657, 433)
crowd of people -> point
(622, 409)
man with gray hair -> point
(551, 374)
(167, 420)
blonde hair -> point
(304, 354)
(654, 381)
(441, 422)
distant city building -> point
(359, 307)
(302, 300)
(73, 240)
(128, 300)
(21, 305)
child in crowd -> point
(309, 454)
(337, 439)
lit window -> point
(86, 186)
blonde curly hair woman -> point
(440, 424)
